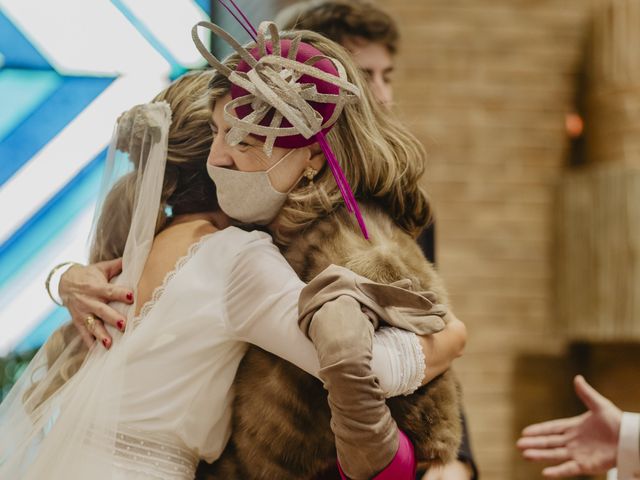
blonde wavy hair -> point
(382, 160)
(187, 188)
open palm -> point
(582, 445)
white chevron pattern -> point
(136, 42)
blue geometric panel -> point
(45, 328)
(52, 95)
(21, 91)
(146, 33)
(17, 51)
(55, 112)
(205, 5)
(50, 221)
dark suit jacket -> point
(427, 242)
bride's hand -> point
(86, 292)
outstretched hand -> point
(86, 291)
(582, 445)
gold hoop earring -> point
(309, 174)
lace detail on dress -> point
(410, 364)
(159, 290)
(154, 455)
(419, 361)
(140, 454)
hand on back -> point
(86, 291)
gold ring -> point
(90, 322)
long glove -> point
(394, 304)
(331, 314)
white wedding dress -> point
(233, 288)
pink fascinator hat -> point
(284, 92)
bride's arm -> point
(262, 300)
(442, 348)
(262, 308)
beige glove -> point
(366, 435)
(332, 314)
(394, 304)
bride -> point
(204, 290)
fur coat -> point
(281, 417)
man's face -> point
(376, 62)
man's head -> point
(360, 26)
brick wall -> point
(486, 85)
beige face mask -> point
(248, 197)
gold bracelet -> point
(50, 276)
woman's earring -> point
(309, 174)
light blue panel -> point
(45, 328)
(35, 105)
(205, 5)
(21, 91)
(50, 221)
(17, 50)
(71, 97)
(148, 36)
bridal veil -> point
(61, 420)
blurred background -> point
(530, 112)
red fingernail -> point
(130, 296)
(105, 342)
(120, 325)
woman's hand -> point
(442, 348)
(583, 445)
(86, 292)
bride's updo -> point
(187, 187)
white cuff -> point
(629, 447)
(398, 361)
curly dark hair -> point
(342, 19)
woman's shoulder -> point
(234, 240)
(235, 250)
(175, 240)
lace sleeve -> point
(398, 361)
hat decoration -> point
(285, 92)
